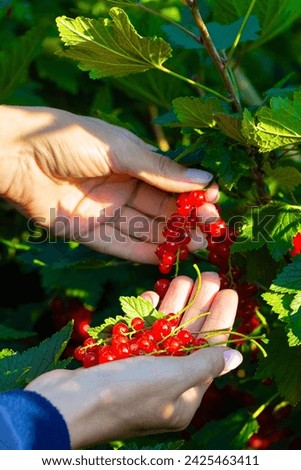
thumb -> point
(206, 364)
(163, 173)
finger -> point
(108, 240)
(210, 284)
(222, 315)
(207, 213)
(212, 193)
(177, 295)
(156, 170)
(152, 297)
(201, 367)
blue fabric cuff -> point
(29, 421)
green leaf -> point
(6, 353)
(136, 307)
(282, 365)
(18, 370)
(289, 280)
(7, 333)
(276, 301)
(15, 60)
(230, 126)
(274, 16)
(132, 307)
(230, 433)
(274, 224)
(276, 125)
(197, 112)
(286, 178)
(109, 48)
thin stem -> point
(239, 34)
(264, 405)
(212, 51)
(193, 83)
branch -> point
(213, 53)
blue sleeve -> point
(29, 421)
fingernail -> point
(232, 359)
(198, 176)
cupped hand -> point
(93, 182)
(148, 395)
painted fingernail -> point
(198, 176)
(232, 359)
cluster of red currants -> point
(296, 245)
(177, 234)
(219, 238)
(72, 309)
(162, 338)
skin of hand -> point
(90, 181)
(147, 395)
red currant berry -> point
(79, 353)
(106, 354)
(160, 329)
(120, 329)
(296, 245)
(200, 342)
(185, 337)
(90, 359)
(137, 324)
(197, 198)
(165, 268)
(122, 350)
(218, 228)
(173, 319)
(183, 253)
(146, 345)
(172, 345)
(161, 287)
(168, 258)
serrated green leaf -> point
(289, 280)
(232, 432)
(7, 333)
(273, 225)
(230, 126)
(197, 112)
(18, 370)
(275, 300)
(293, 340)
(6, 353)
(15, 60)
(137, 307)
(274, 16)
(109, 48)
(283, 365)
(276, 125)
(286, 177)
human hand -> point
(147, 395)
(93, 182)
